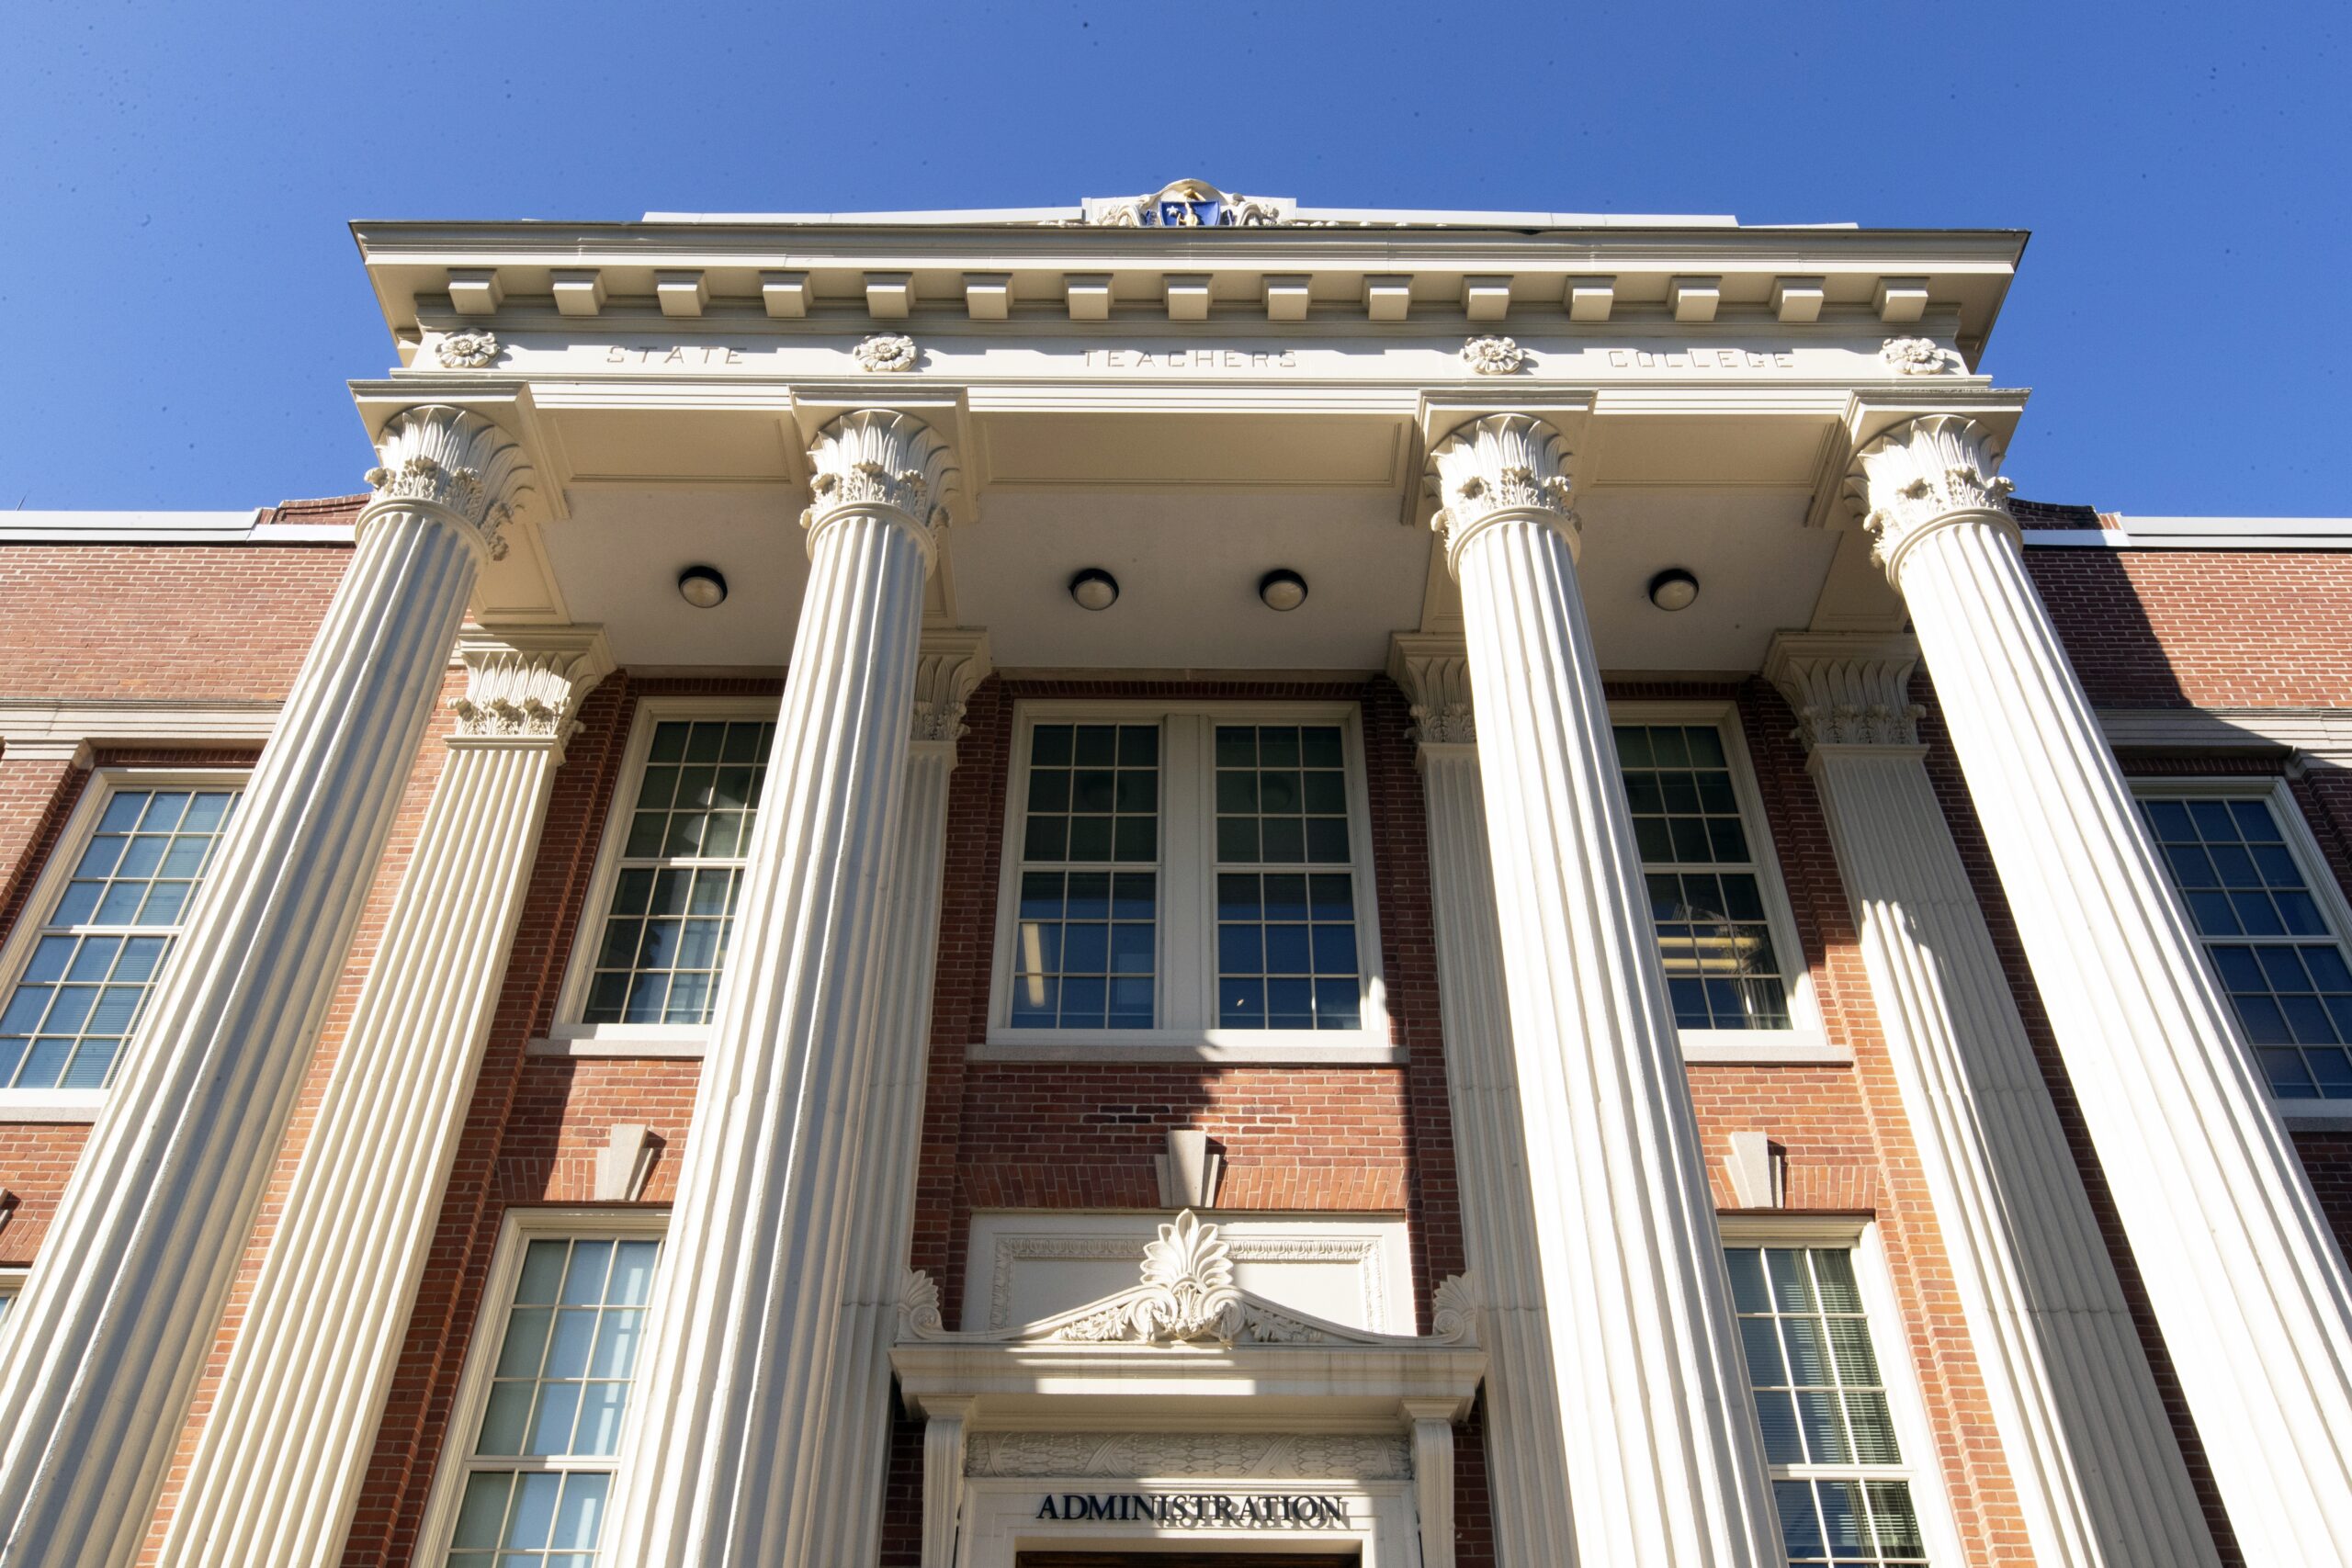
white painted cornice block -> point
(680, 293)
(1286, 296)
(1188, 295)
(988, 295)
(1591, 298)
(889, 295)
(1901, 299)
(475, 290)
(1486, 298)
(1089, 294)
(1694, 298)
(786, 294)
(1797, 298)
(1388, 296)
(579, 292)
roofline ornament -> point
(1193, 204)
(1186, 1297)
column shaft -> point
(279, 1464)
(1665, 1464)
(101, 1353)
(718, 1456)
(1526, 1456)
(856, 1454)
(2243, 1275)
(2099, 1475)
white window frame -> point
(2319, 880)
(1185, 929)
(75, 1105)
(570, 1036)
(1806, 1040)
(12, 1285)
(521, 1227)
(1922, 1467)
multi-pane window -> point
(2270, 945)
(1837, 1472)
(1285, 901)
(663, 946)
(1085, 947)
(1186, 873)
(1705, 881)
(95, 958)
(9, 1285)
(538, 1474)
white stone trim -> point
(1186, 924)
(2317, 732)
(28, 724)
(521, 1226)
(73, 1105)
(1000, 1521)
(568, 1036)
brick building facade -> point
(1203, 1082)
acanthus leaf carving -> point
(1503, 465)
(1434, 674)
(1925, 470)
(949, 666)
(454, 460)
(1453, 1310)
(523, 693)
(875, 458)
(919, 1306)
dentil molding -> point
(876, 459)
(1505, 464)
(455, 461)
(1434, 674)
(1921, 472)
(527, 685)
(1848, 690)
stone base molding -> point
(1665, 1463)
(1525, 1454)
(852, 1465)
(2099, 1477)
(2242, 1273)
(104, 1349)
(719, 1459)
(279, 1462)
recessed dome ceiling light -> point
(1283, 589)
(702, 587)
(1673, 588)
(1094, 589)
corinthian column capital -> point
(455, 464)
(1847, 689)
(1505, 466)
(950, 664)
(1919, 475)
(1434, 674)
(879, 463)
(526, 686)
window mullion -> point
(1188, 980)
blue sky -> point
(180, 302)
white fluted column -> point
(856, 1455)
(103, 1350)
(719, 1455)
(2243, 1277)
(2099, 1475)
(279, 1464)
(1525, 1455)
(1665, 1461)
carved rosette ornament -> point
(469, 348)
(887, 353)
(1845, 693)
(456, 462)
(1919, 356)
(1493, 355)
(1504, 466)
(1918, 475)
(874, 460)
